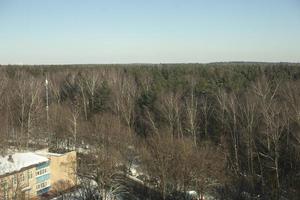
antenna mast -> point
(47, 103)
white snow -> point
(20, 160)
(45, 152)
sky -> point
(148, 31)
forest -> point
(227, 130)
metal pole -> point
(47, 103)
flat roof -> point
(19, 161)
(45, 152)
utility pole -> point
(47, 103)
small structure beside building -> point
(30, 175)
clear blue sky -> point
(152, 31)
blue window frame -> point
(43, 191)
(42, 178)
(42, 165)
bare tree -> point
(170, 103)
(158, 155)
(292, 96)
(206, 109)
(124, 95)
(107, 162)
(191, 106)
(4, 109)
(27, 103)
(34, 109)
(275, 121)
(74, 113)
(229, 120)
(88, 83)
(178, 165)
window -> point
(14, 180)
(5, 194)
(41, 185)
(4, 185)
(30, 174)
(4, 189)
(22, 177)
(41, 171)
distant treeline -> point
(231, 130)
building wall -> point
(32, 182)
(58, 174)
(42, 178)
(20, 183)
(63, 171)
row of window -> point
(18, 178)
(41, 171)
(5, 195)
(41, 185)
(4, 190)
(3, 184)
(22, 176)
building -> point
(30, 175)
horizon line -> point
(149, 63)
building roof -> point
(45, 152)
(19, 161)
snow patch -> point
(17, 161)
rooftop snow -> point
(20, 161)
(45, 152)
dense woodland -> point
(231, 130)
